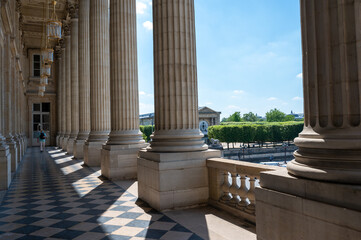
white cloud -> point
(297, 99)
(300, 76)
(142, 93)
(233, 107)
(146, 108)
(271, 99)
(148, 25)
(141, 7)
(238, 91)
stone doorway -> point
(40, 119)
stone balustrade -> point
(232, 186)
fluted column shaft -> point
(2, 97)
(8, 92)
(124, 74)
(74, 79)
(330, 144)
(175, 78)
(99, 71)
(84, 70)
(63, 92)
(68, 96)
(59, 94)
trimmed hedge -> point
(147, 131)
(256, 132)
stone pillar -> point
(330, 144)
(322, 184)
(5, 156)
(15, 100)
(84, 79)
(59, 95)
(63, 96)
(74, 83)
(99, 82)
(172, 172)
(67, 86)
(9, 104)
(119, 155)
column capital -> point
(66, 27)
(73, 10)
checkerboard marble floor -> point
(54, 197)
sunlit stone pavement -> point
(54, 197)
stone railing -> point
(232, 186)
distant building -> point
(209, 115)
(146, 119)
(298, 116)
(206, 116)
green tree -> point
(250, 117)
(289, 118)
(235, 117)
(275, 115)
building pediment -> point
(207, 110)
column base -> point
(119, 162)
(174, 180)
(5, 168)
(14, 155)
(61, 139)
(92, 153)
(18, 149)
(293, 208)
(65, 143)
(70, 146)
(57, 140)
(79, 149)
(23, 150)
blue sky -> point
(248, 52)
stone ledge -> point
(285, 216)
(342, 195)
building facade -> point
(205, 114)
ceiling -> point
(33, 12)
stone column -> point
(59, 95)
(84, 79)
(63, 96)
(330, 144)
(177, 152)
(119, 155)
(5, 156)
(74, 83)
(325, 176)
(67, 86)
(99, 82)
(9, 104)
(15, 100)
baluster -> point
(225, 188)
(242, 192)
(251, 208)
(234, 190)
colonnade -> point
(98, 124)
(13, 111)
